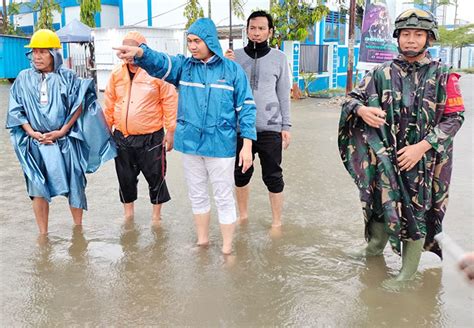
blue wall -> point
(339, 75)
(12, 56)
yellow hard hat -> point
(45, 39)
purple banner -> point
(377, 44)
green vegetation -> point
(12, 9)
(328, 93)
(469, 70)
(293, 18)
(88, 10)
(192, 12)
(46, 9)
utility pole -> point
(434, 6)
(4, 16)
(231, 40)
(209, 9)
(454, 27)
(350, 61)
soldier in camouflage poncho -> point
(395, 139)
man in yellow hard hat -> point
(56, 128)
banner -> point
(377, 44)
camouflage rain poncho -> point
(411, 203)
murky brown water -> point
(111, 274)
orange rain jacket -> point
(141, 106)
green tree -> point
(238, 8)
(457, 37)
(192, 12)
(12, 9)
(292, 19)
(46, 9)
(88, 10)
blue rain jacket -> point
(214, 97)
(58, 169)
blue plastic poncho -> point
(58, 168)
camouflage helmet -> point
(417, 19)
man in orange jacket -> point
(137, 108)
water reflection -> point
(78, 248)
(60, 288)
(417, 304)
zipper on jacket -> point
(128, 104)
(254, 70)
(208, 90)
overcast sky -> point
(466, 10)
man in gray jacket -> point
(268, 73)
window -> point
(335, 29)
(313, 58)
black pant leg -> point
(127, 169)
(269, 149)
(242, 179)
(152, 163)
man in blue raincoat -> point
(214, 97)
(57, 129)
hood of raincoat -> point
(205, 29)
(57, 59)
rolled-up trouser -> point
(198, 172)
(269, 149)
(141, 153)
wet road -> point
(111, 274)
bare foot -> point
(229, 261)
(156, 223)
(276, 224)
(43, 240)
(227, 249)
(243, 220)
(275, 232)
(203, 243)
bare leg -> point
(156, 217)
(227, 231)
(41, 210)
(128, 209)
(202, 228)
(276, 202)
(242, 195)
(76, 215)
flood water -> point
(128, 275)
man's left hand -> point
(410, 155)
(245, 155)
(285, 139)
